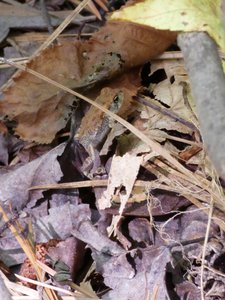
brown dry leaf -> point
(123, 173)
(41, 109)
(170, 93)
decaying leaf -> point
(58, 223)
(122, 176)
(15, 183)
(10, 251)
(27, 270)
(188, 289)
(41, 109)
(169, 93)
(147, 278)
(71, 252)
(88, 233)
(168, 112)
(140, 230)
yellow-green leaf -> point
(177, 15)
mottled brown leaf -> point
(41, 109)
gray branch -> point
(208, 88)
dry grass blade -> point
(155, 293)
(171, 187)
(45, 285)
(20, 292)
(20, 60)
(27, 248)
(94, 10)
(104, 182)
(16, 288)
(203, 183)
(195, 197)
(71, 185)
(92, 7)
(102, 5)
(62, 26)
(42, 36)
(204, 249)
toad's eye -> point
(116, 99)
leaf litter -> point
(158, 214)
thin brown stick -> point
(138, 183)
(96, 183)
(178, 55)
